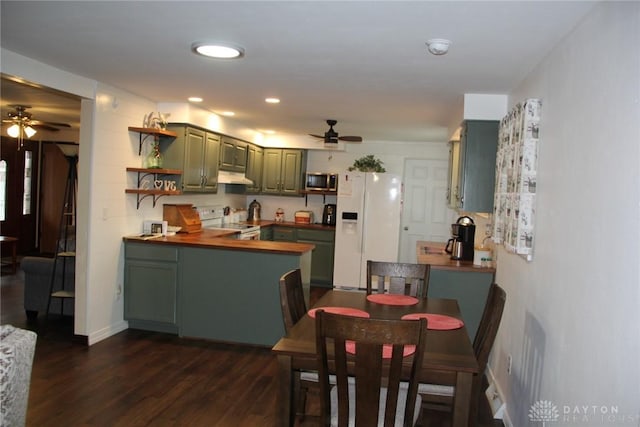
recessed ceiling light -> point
(268, 131)
(272, 100)
(228, 113)
(218, 50)
(438, 46)
(195, 99)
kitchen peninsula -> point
(460, 280)
(206, 285)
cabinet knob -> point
(406, 228)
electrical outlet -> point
(509, 363)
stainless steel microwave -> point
(321, 182)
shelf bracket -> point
(142, 139)
(141, 197)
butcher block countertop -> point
(433, 253)
(220, 239)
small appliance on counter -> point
(329, 214)
(155, 227)
(183, 216)
(460, 246)
(279, 215)
(254, 211)
(303, 217)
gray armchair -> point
(37, 279)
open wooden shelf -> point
(156, 133)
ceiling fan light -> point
(13, 131)
(29, 131)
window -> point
(28, 168)
(3, 190)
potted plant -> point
(368, 164)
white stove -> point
(212, 217)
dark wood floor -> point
(138, 378)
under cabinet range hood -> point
(226, 177)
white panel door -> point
(425, 215)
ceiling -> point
(363, 63)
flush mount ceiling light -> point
(438, 46)
(272, 100)
(217, 50)
(195, 99)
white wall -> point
(572, 321)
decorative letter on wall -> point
(515, 190)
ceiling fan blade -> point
(41, 123)
(316, 136)
(350, 138)
(45, 127)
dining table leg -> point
(462, 400)
(285, 414)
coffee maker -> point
(460, 246)
(329, 215)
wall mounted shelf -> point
(317, 193)
(147, 132)
(142, 192)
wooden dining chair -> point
(440, 397)
(369, 394)
(293, 309)
(292, 298)
(402, 278)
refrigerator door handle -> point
(363, 224)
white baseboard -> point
(496, 400)
(107, 332)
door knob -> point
(406, 228)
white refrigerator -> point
(369, 208)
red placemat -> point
(392, 299)
(387, 349)
(438, 322)
(347, 311)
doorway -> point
(425, 215)
(19, 169)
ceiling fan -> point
(331, 136)
(22, 117)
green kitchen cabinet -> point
(266, 233)
(469, 288)
(195, 151)
(321, 256)
(283, 171)
(477, 165)
(284, 234)
(255, 156)
(150, 287)
(454, 164)
(233, 154)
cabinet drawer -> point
(151, 252)
(284, 234)
(318, 235)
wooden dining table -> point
(449, 357)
